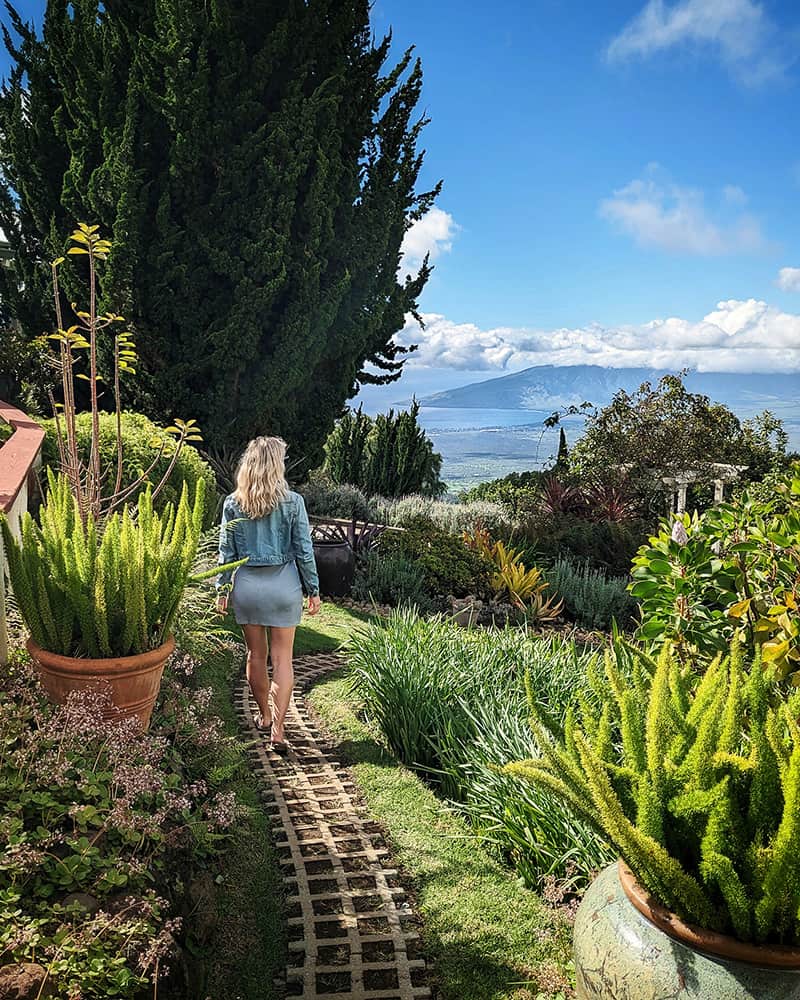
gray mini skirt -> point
(267, 595)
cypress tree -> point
(256, 166)
(345, 447)
(562, 459)
(389, 456)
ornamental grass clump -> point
(104, 590)
(451, 703)
(695, 783)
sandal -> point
(261, 726)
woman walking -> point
(264, 522)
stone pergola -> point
(717, 472)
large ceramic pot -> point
(336, 565)
(133, 681)
(627, 947)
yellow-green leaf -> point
(772, 651)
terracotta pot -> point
(628, 947)
(134, 681)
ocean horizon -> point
(477, 445)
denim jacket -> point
(282, 536)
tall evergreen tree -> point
(257, 168)
(346, 447)
(389, 456)
(562, 459)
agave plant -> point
(105, 591)
(696, 784)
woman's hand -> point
(314, 604)
(222, 604)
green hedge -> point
(138, 436)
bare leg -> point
(257, 677)
(281, 642)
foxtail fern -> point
(695, 784)
(108, 590)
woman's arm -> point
(227, 548)
(304, 550)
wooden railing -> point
(20, 455)
(358, 535)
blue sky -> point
(608, 165)
(612, 171)
(533, 128)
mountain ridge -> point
(552, 387)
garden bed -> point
(133, 857)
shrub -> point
(390, 455)
(606, 545)
(324, 498)
(452, 517)
(392, 580)
(451, 703)
(98, 807)
(733, 571)
(449, 567)
(517, 492)
(694, 783)
(591, 599)
(141, 439)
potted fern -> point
(696, 784)
(99, 577)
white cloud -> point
(432, 234)
(789, 279)
(660, 213)
(739, 31)
(734, 195)
(739, 335)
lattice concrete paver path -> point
(351, 927)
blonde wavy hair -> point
(261, 478)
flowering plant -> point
(94, 814)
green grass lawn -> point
(248, 949)
(325, 632)
(487, 937)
